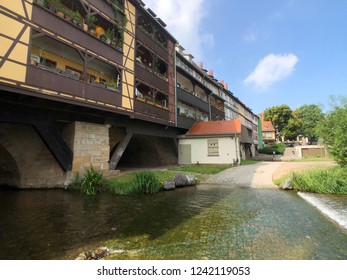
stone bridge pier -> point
(47, 153)
(43, 156)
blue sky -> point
(270, 52)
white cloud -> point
(184, 19)
(271, 69)
(250, 37)
(252, 34)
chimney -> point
(210, 72)
(226, 86)
(201, 65)
(222, 82)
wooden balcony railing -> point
(192, 100)
(74, 34)
(54, 81)
(217, 114)
(151, 110)
(151, 78)
(185, 122)
(152, 44)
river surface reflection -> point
(204, 222)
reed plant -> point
(92, 182)
(330, 181)
(145, 182)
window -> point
(212, 148)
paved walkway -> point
(261, 175)
(257, 175)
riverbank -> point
(287, 168)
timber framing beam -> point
(56, 144)
(116, 156)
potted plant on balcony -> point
(76, 18)
(68, 14)
(109, 35)
(112, 85)
(53, 5)
(91, 21)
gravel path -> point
(261, 175)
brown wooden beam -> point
(116, 156)
(56, 144)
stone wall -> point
(90, 146)
(26, 161)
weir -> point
(333, 206)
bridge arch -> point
(25, 161)
(9, 172)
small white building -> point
(212, 142)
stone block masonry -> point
(90, 147)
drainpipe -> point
(209, 108)
(175, 74)
(237, 150)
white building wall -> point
(228, 150)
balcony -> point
(74, 34)
(151, 44)
(151, 78)
(192, 100)
(151, 110)
(217, 114)
(56, 81)
(185, 122)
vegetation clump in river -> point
(144, 182)
(332, 180)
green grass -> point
(202, 168)
(307, 159)
(144, 182)
(332, 180)
(128, 184)
(249, 161)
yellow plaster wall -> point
(16, 6)
(129, 57)
(10, 29)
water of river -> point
(204, 222)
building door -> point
(184, 154)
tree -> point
(308, 117)
(279, 116)
(291, 131)
(333, 130)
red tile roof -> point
(216, 127)
(267, 126)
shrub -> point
(269, 150)
(142, 183)
(332, 129)
(92, 182)
(332, 180)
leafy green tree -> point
(291, 131)
(333, 130)
(308, 116)
(279, 116)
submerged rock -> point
(182, 180)
(287, 184)
(93, 254)
(169, 185)
(191, 180)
